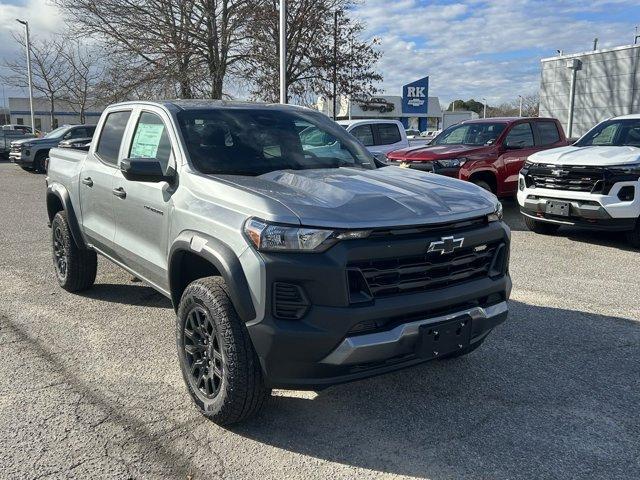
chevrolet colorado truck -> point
(594, 183)
(32, 153)
(289, 265)
(488, 152)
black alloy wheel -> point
(60, 259)
(203, 352)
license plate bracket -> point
(444, 338)
(555, 207)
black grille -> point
(431, 271)
(563, 177)
(289, 301)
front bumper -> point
(326, 347)
(594, 211)
(21, 157)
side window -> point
(91, 130)
(520, 136)
(364, 134)
(38, 122)
(111, 136)
(151, 140)
(548, 133)
(77, 133)
(388, 133)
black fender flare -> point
(58, 191)
(223, 258)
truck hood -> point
(593, 156)
(436, 152)
(357, 198)
(37, 141)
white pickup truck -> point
(593, 183)
(380, 136)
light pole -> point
(520, 97)
(26, 27)
(484, 108)
(283, 51)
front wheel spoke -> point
(198, 364)
(193, 349)
(217, 372)
(217, 355)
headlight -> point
(268, 237)
(631, 169)
(452, 162)
(496, 216)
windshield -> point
(58, 132)
(256, 141)
(613, 133)
(470, 134)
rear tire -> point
(633, 236)
(540, 227)
(75, 267)
(218, 362)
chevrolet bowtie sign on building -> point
(415, 96)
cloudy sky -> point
(472, 48)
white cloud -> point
(483, 48)
(44, 20)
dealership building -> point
(64, 113)
(414, 108)
(583, 89)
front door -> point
(519, 144)
(96, 182)
(142, 208)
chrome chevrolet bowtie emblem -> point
(445, 245)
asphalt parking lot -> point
(90, 385)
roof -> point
(504, 119)
(630, 116)
(195, 104)
(367, 120)
(590, 52)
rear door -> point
(519, 143)
(96, 182)
(387, 137)
(142, 208)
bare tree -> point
(84, 71)
(47, 66)
(319, 50)
(192, 43)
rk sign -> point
(415, 96)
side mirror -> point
(144, 170)
(514, 146)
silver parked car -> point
(289, 264)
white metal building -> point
(605, 85)
(63, 113)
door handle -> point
(119, 192)
(87, 181)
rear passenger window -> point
(548, 133)
(520, 136)
(364, 134)
(111, 136)
(151, 140)
(388, 133)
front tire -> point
(75, 267)
(484, 185)
(633, 236)
(217, 359)
(540, 227)
(39, 162)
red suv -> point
(488, 152)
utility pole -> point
(26, 27)
(484, 108)
(335, 63)
(574, 64)
(283, 51)
(520, 97)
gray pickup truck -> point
(32, 153)
(289, 265)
